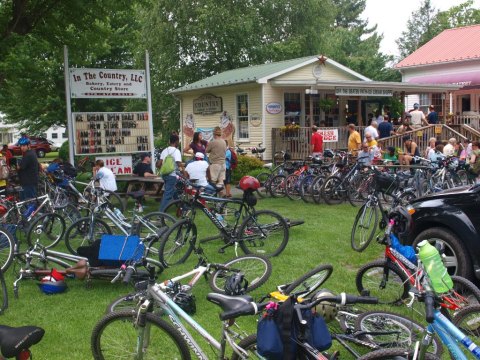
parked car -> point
(451, 218)
(40, 145)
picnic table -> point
(152, 186)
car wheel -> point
(455, 257)
(40, 153)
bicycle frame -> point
(16, 207)
(450, 335)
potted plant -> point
(326, 104)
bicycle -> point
(391, 278)
(366, 220)
(261, 232)
(87, 229)
(246, 272)
(450, 335)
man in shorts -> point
(216, 150)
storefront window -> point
(312, 110)
(242, 116)
(424, 102)
(293, 108)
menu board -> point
(101, 132)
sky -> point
(391, 16)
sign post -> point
(71, 144)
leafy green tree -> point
(460, 15)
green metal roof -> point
(245, 75)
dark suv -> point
(451, 217)
(40, 145)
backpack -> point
(4, 169)
(69, 169)
(233, 159)
(168, 164)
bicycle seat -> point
(14, 340)
(229, 303)
(136, 194)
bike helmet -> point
(236, 284)
(52, 287)
(186, 302)
(402, 220)
(24, 141)
(249, 183)
(326, 309)
(328, 153)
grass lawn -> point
(68, 318)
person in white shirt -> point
(418, 117)
(449, 149)
(170, 180)
(105, 176)
(372, 129)
(198, 170)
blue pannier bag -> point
(320, 337)
(269, 341)
(117, 249)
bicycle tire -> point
(277, 186)
(70, 214)
(370, 277)
(179, 208)
(316, 189)
(256, 269)
(47, 229)
(182, 235)
(468, 321)
(464, 293)
(116, 333)
(305, 188)
(254, 231)
(114, 200)
(249, 344)
(7, 246)
(409, 331)
(154, 223)
(364, 227)
(3, 294)
(264, 180)
(125, 302)
(332, 191)
(78, 234)
(309, 282)
(394, 354)
(292, 187)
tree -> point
(419, 29)
(461, 15)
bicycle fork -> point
(143, 330)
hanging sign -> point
(274, 108)
(107, 83)
(329, 135)
(438, 129)
(343, 91)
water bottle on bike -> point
(433, 264)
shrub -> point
(63, 151)
(246, 165)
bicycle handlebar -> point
(128, 274)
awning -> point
(462, 79)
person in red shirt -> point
(8, 154)
(316, 146)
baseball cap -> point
(199, 155)
(416, 106)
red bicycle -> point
(391, 278)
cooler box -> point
(117, 249)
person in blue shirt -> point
(432, 116)
(228, 171)
(385, 128)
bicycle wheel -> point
(179, 209)
(3, 294)
(264, 233)
(399, 331)
(116, 336)
(395, 354)
(154, 223)
(114, 200)
(70, 214)
(292, 187)
(84, 232)
(7, 246)
(177, 243)
(463, 294)
(382, 280)
(468, 321)
(249, 344)
(364, 227)
(125, 302)
(306, 188)
(46, 230)
(277, 186)
(264, 180)
(316, 189)
(308, 283)
(256, 270)
(332, 191)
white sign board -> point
(120, 165)
(274, 108)
(330, 135)
(107, 83)
(342, 91)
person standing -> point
(198, 144)
(170, 180)
(354, 140)
(432, 116)
(385, 128)
(8, 155)
(418, 117)
(316, 145)
(474, 160)
(216, 150)
(228, 171)
(28, 170)
(104, 176)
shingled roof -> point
(452, 45)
